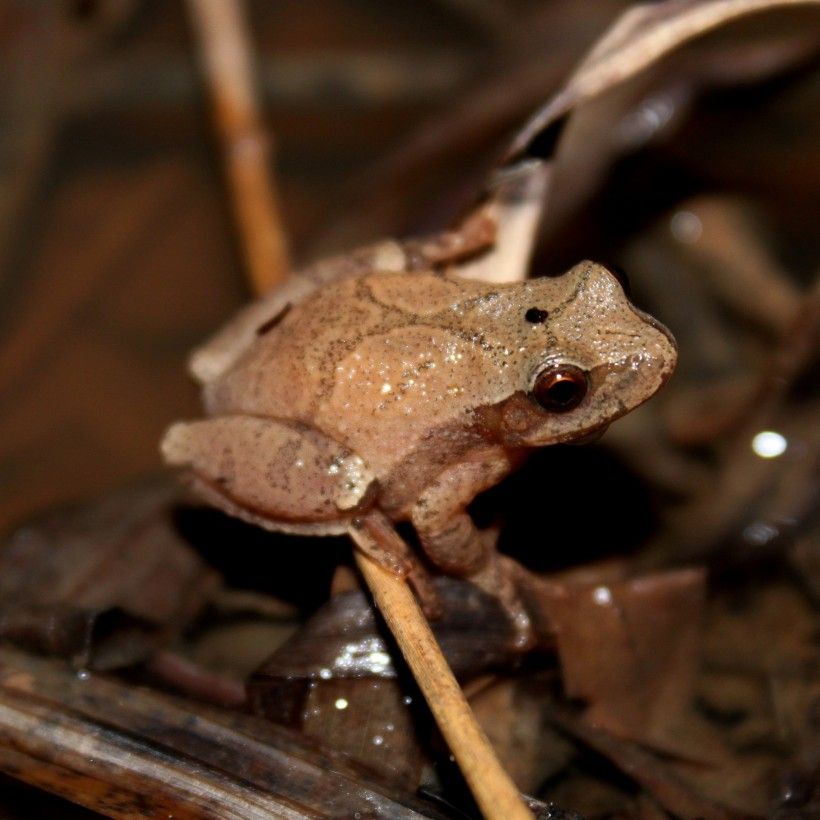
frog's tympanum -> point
(382, 380)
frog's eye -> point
(536, 315)
(559, 389)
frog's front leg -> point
(454, 543)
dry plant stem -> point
(223, 37)
(494, 791)
(226, 57)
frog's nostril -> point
(560, 389)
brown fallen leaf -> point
(630, 649)
(337, 678)
(105, 585)
(512, 715)
(665, 784)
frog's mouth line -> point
(598, 376)
(520, 419)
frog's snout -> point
(657, 325)
(614, 282)
(670, 355)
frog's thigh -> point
(279, 471)
(446, 531)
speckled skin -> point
(408, 391)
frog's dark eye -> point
(620, 274)
(559, 389)
(536, 315)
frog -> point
(383, 382)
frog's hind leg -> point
(514, 203)
(280, 475)
(216, 356)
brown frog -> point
(383, 381)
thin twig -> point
(224, 45)
(494, 791)
(226, 57)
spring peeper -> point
(381, 380)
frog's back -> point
(373, 362)
(288, 369)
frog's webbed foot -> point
(474, 236)
(498, 578)
(497, 575)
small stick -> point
(494, 792)
(226, 56)
(223, 39)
